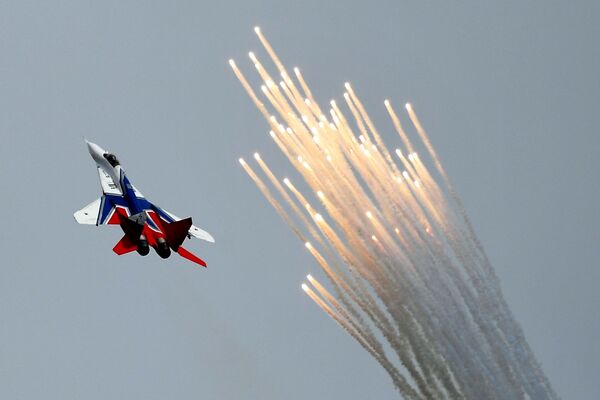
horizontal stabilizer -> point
(186, 254)
(124, 246)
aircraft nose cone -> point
(96, 152)
(94, 149)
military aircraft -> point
(145, 225)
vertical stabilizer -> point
(177, 231)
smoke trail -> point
(411, 282)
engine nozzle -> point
(142, 248)
(162, 248)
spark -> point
(411, 283)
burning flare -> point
(409, 279)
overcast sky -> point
(509, 92)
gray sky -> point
(509, 93)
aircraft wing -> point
(194, 231)
(88, 215)
(200, 234)
(102, 211)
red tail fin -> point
(124, 246)
(177, 231)
(186, 254)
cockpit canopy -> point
(112, 159)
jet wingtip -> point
(200, 234)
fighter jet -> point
(145, 225)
